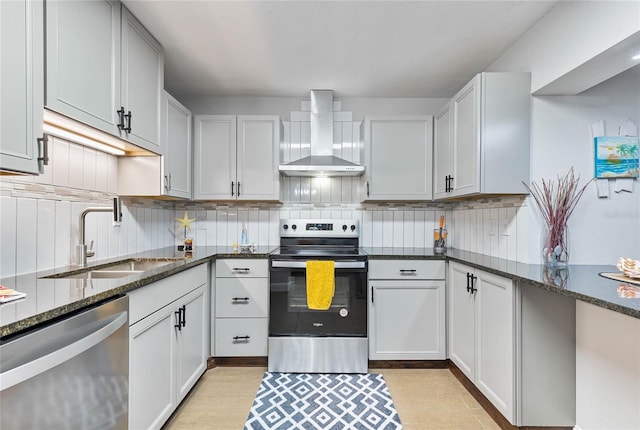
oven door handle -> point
(303, 264)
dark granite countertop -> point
(49, 298)
(581, 282)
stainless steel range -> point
(323, 341)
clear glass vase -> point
(555, 246)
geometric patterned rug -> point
(322, 401)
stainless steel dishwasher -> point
(71, 374)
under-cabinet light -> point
(56, 131)
(636, 57)
(66, 128)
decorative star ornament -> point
(185, 221)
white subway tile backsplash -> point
(419, 230)
(76, 166)
(26, 235)
(102, 172)
(60, 162)
(45, 234)
(89, 169)
(63, 234)
(8, 212)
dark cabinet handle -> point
(371, 294)
(238, 188)
(468, 276)
(449, 186)
(473, 280)
(367, 188)
(178, 314)
(241, 269)
(120, 113)
(240, 338)
(232, 189)
(166, 183)
(184, 315)
(43, 152)
(128, 127)
(237, 300)
(408, 271)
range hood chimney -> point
(322, 162)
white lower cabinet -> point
(168, 345)
(481, 335)
(407, 310)
(241, 308)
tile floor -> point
(425, 399)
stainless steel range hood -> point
(322, 162)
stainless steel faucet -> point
(81, 250)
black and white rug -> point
(323, 401)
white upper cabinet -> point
(481, 143)
(176, 143)
(104, 69)
(398, 157)
(21, 80)
(236, 157)
(142, 83)
(168, 175)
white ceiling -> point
(356, 48)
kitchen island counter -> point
(581, 282)
(49, 297)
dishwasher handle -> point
(40, 365)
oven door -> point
(289, 314)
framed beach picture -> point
(616, 157)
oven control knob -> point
(293, 226)
(286, 227)
(353, 227)
(344, 312)
(344, 227)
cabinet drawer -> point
(406, 269)
(242, 268)
(247, 298)
(241, 337)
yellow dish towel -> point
(321, 284)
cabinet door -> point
(214, 157)
(176, 148)
(461, 336)
(442, 152)
(398, 152)
(495, 353)
(142, 83)
(257, 175)
(83, 61)
(192, 341)
(407, 320)
(22, 83)
(466, 139)
(152, 348)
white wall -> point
(572, 33)
(600, 230)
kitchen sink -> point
(103, 274)
(118, 269)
